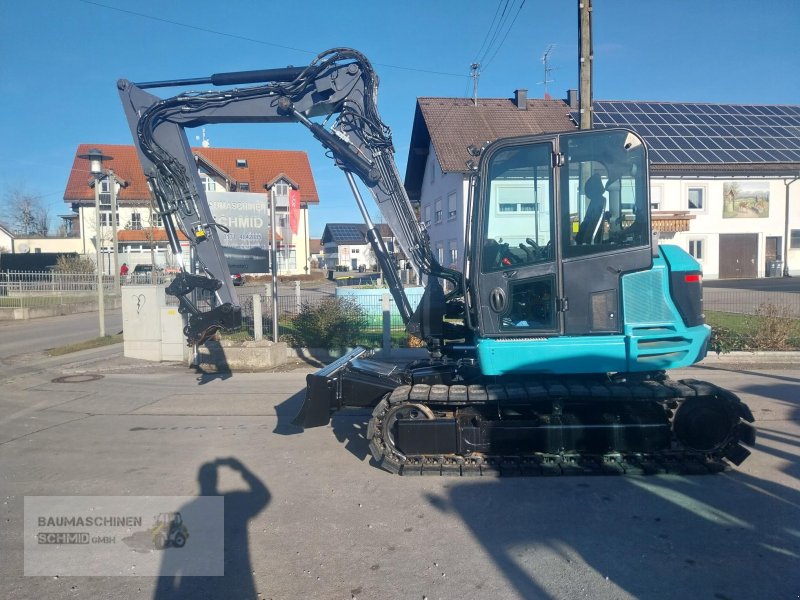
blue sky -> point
(60, 60)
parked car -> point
(237, 278)
(145, 273)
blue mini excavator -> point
(547, 352)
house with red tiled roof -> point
(724, 178)
(140, 233)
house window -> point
(244, 187)
(794, 238)
(241, 163)
(136, 221)
(426, 214)
(453, 252)
(105, 195)
(209, 184)
(155, 220)
(354, 251)
(440, 253)
(437, 211)
(451, 206)
(696, 248)
(696, 198)
(655, 197)
(281, 189)
(105, 219)
(281, 220)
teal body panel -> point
(654, 335)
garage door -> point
(738, 253)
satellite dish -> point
(24, 248)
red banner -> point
(294, 209)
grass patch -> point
(771, 328)
(88, 344)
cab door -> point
(605, 225)
(516, 283)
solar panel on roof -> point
(708, 133)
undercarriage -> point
(592, 424)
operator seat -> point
(594, 190)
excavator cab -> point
(562, 228)
(559, 220)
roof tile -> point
(263, 166)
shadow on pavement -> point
(286, 411)
(350, 428)
(240, 507)
(724, 537)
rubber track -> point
(540, 464)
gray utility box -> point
(151, 330)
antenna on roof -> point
(475, 73)
(206, 143)
(547, 70)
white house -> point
(723, 177)
(345, 246)
(141, 237)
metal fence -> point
(370, 313)
(751, 302)
(19, 289)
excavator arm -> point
(335, 98)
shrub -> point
(73, 264)
(331, 323)
(772, 327)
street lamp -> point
(96, 158)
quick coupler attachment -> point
(203, 325)
(186, 282)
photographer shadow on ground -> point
(240, 507)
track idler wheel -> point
(381, 431)
(714, 426)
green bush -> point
(332, 323)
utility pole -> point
(787, 231)
(112, 184)
(585, 62)
(101, 308)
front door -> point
(517, 283)
(737, 255)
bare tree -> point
(27, 212)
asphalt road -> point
(35, 335)
(312, 517)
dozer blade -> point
(322, 394)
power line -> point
(510, 27)
(488, 31)
(500, 23)
(253, 40)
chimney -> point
(521, 99)
(572, 99)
